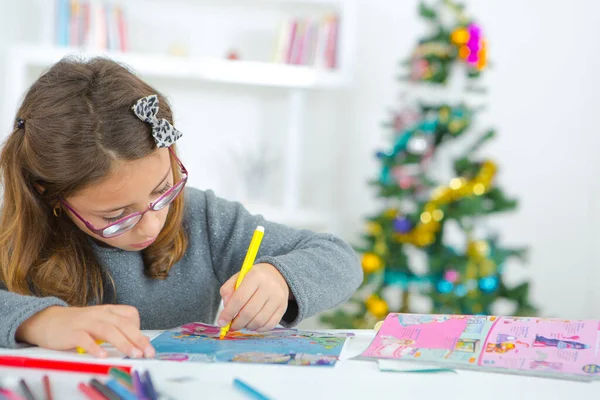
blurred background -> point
(284, 105)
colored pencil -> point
(248, 390)
(58, 365)
(121, 390)
(104, 390)
(149, 386)
(47, 388)
(121, 376)
(10, 395)
(246, 266)
(90, 393)
(25, 389)
(137, 385)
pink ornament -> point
(419, 68)
(451, 275)
(474, 43)
(404, 180)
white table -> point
(349, 379)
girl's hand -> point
(65, 328)
(260, 301)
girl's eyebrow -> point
(129, 205)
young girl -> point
(99, 237)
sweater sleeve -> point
(15, 309)
(320, 269)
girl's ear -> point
(39, 188)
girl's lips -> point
(143, 244)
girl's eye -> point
(165, 189)
(113, 219)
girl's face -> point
(131, 187)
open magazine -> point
(555, 348)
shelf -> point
(191, 68)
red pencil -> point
(59, 365)
(47, 388)
(90, 393)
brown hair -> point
(78, 121)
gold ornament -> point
(380, 247)
(423, 234)
(390, 213)
(374, 228)
(460, 36)
(376, 306)
(463, 52)
(371, 263)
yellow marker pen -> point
(246, 266)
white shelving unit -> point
(296, 81)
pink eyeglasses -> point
(127, 223)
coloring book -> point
(200, 342)
(535, 346)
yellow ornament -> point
(373, 228)
(455, 126)
(376, 306)
(390, 213)
(460, 36)
(380, 247)
(487, 267)
(444, 115)
(478, 189)
(371, 263)
(438, 215)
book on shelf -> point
(308, 42)
(93, 24)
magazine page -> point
(532, 346)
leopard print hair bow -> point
(163, 132)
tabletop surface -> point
(349, 379)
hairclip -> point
(20, 123)
(163, 132)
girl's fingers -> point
(238, 300)
(113, 335)
(263, 316)
(273, 321)
(133, 335)
(87, 343)
(228, 288)
(250, 310)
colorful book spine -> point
(308, 42)
(94, 24)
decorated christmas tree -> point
(417, 208)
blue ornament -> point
(488, 284)
(381, 155)
(402, 225)
(460, 290)
(444, 286)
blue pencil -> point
(149, 386)
(249, 390)
(122, 391)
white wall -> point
(543, 100)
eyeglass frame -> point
(100, 232)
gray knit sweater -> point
(320, 269)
